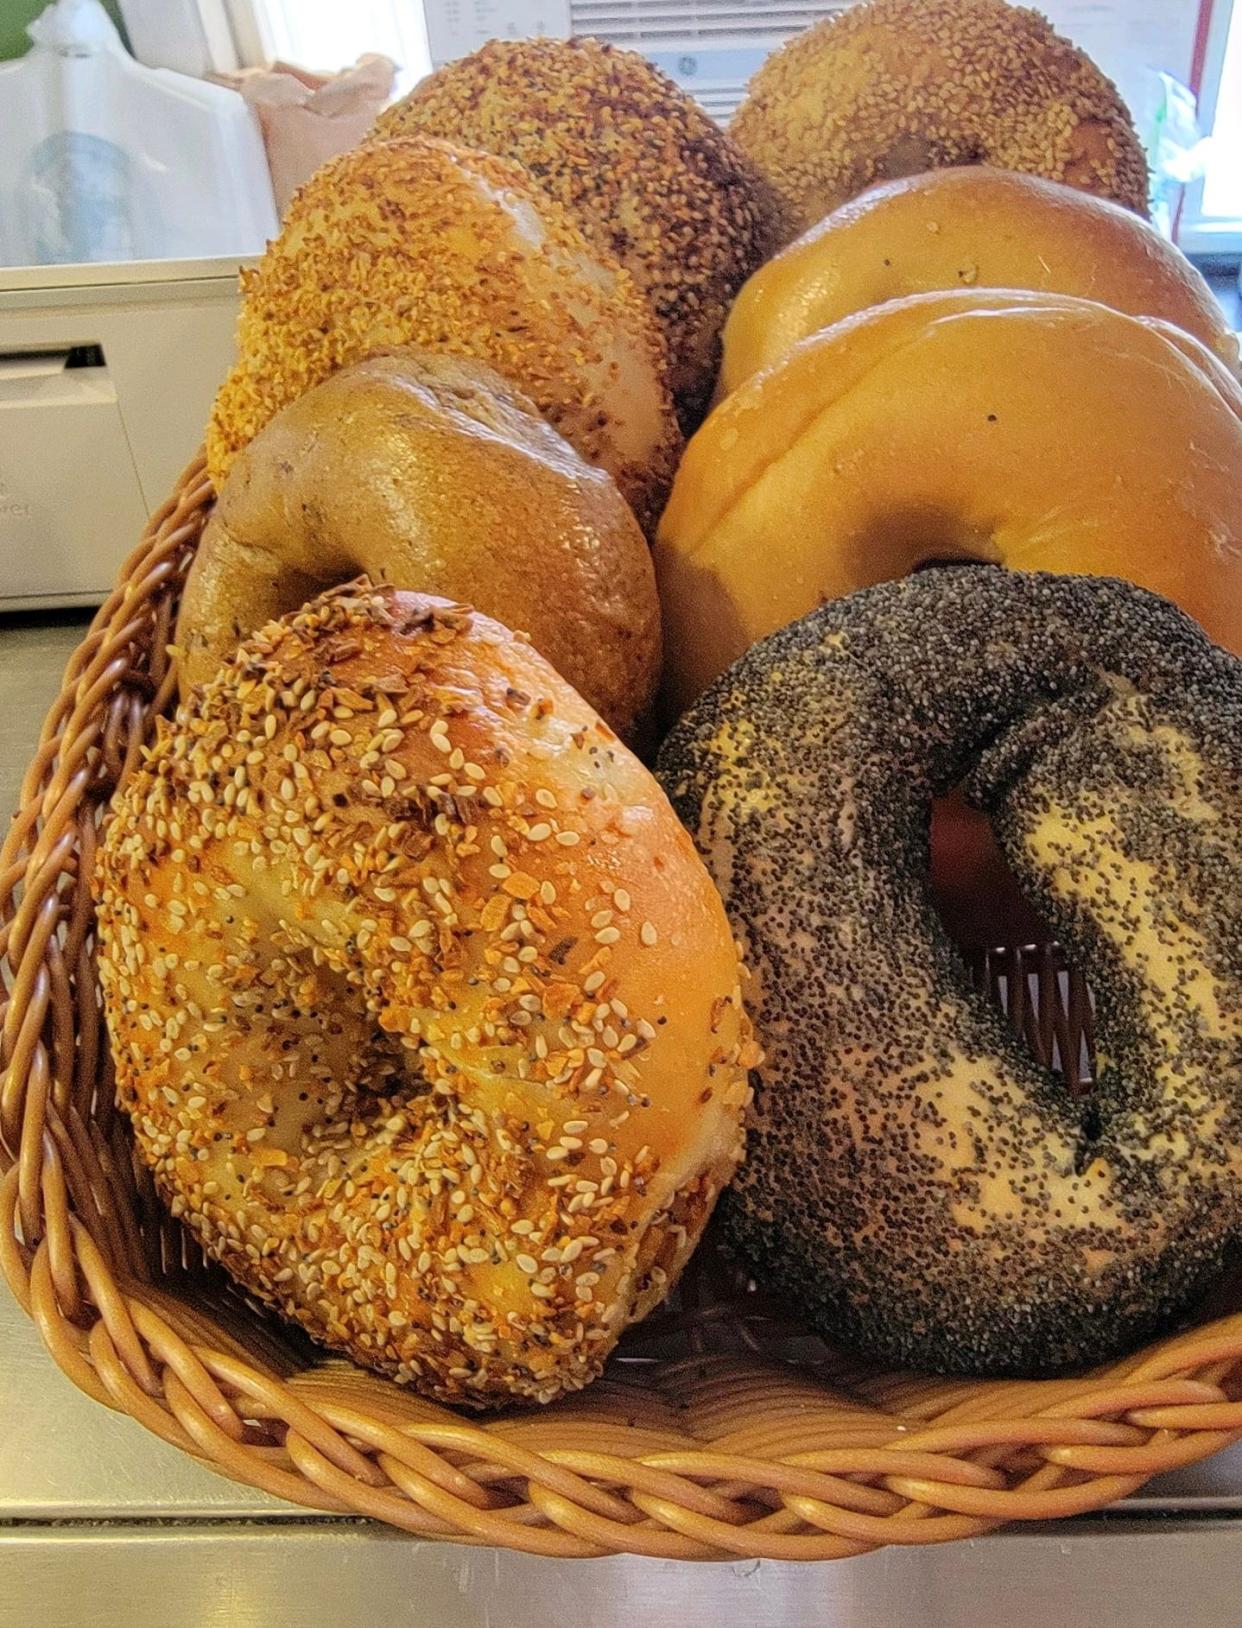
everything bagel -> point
(424, 1009)
(914, 1181)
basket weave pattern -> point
(700, 1443)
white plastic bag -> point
(1177, 150)
(102, 159)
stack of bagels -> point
(874, 457)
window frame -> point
(250, 22)
(1204, 236)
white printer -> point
(107, 374)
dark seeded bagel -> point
(915, 1180)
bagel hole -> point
(1009, 947)
(943, 560)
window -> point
(329, 35)
(1211, 220)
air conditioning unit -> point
(710, 47)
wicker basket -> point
(719, 1432)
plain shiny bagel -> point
(915, 1183)
(1036, 431)
(428, 472)
(966, 228)
(423, 1007)
(894, 87)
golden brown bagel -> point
(638, 165)
(966, 228)
(428, 472)
(416, 242)
(893, 87)
(1031, 430)
(424, 1009)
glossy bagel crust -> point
(1031, 430)
(413, 242)
(915, 1183)
(423, 1006)
(893, 87)
(428, 472)
(966, 228)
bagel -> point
(427, 471)
(411, 242)
(972, 228)
(894, 87)
(1031, 430)
(649, 177)
(914, 1182)
(423, 1007)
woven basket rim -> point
(709, 1456)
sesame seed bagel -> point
(914, 1181)
(1037, 431)
(893, 87)
(424, 1009)
(638, 164)
(966, 228)
(417, 242)
(428, 472)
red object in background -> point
(1198, 56)
(976, 893)
(1198, 59)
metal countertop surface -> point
(99, 1519)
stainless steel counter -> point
(100, 1521)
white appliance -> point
(107, 375)
(710, 47)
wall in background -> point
(1129, 38)
(15, 14)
